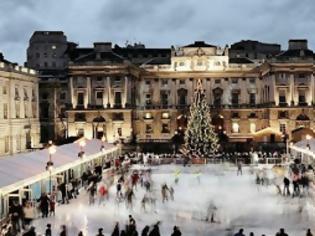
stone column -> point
(89, 91)
(124, 102)
(109, 93)
(71, 93)
(291, 90)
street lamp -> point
(50, 164)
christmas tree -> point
(200, 138)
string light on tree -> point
(200, 138)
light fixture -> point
(308, 137)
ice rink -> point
(239, 202)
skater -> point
(100, 232)
(63, 231)
(80, 233)
(240, 233)
(156, 230)
(164, 191)
(28, 212)
(309, 233)
(16, 212)
(281, 233)
(118, 190)
(91, 189)
(144, 201)
(48, 230)
(176, 231)
(52, 206)
(116, 230)
(130, 196)
(286, 190)
(132, 222)
(44, 204)
(171, 191)
(145, 231)
(239, 168)
(30, 232)
(102, 193)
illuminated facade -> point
(143, 94)
(19, 119)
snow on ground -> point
(239, 202)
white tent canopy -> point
(306, 147)
(24, 169)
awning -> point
(20, 170)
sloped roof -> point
(199, 44)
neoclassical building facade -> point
(143, 94)
(19, 117)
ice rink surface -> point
(239, 201)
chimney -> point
(298, 44)
(103, 46)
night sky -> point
(156, 23)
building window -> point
(235, 115)
(99, 95)
(119, 132)
(217, 81)
(235, 98)
(45, 64)
(302, 100)
(181, 81)
(234, 81)
(282, 97)
(252, 80)
(80, 132)
(80, 101)
(4, 90)
(164, 82)
(283, 128)
(165, 115)
(17, 94)
(147, 82)
(148, 101)
(117, 100)
(53, 47)
(283, 115)
(118, 116)
(25, 94)
(79, 117)
(164, 98)
(5, 111)
(148, 115)
(54, 64)
(34, 109)
(252, 128)
(99, 78)
(45, 54)
(252, 98)
(17, 110)
(182, 63)
(165, 128)
(6, 144)
(62, 96)
(199, 63)
(18, 143)
(235, 127)
(148, 129)
(26, 110)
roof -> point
(199, 44)
(25, 168)
(101, 56)
(240, 60)
(295, 53)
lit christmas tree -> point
(200, 138)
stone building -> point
(19, 118)
(141, 94)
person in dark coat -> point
(309, 233)
(63, 231)
(44, 204)
(16, 213)
(100, 232)
(240, 233)
(30, 232)
(145, 231)
(116, 230)
(281, 233)
(176, 231)
(286, 190)
(48, 230)
(155, 231)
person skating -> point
(286, 190)
(80, 233)
(63, 231)
(44, 204)
(251, 234)
(100, 232)
(176, 231)
(48, 230)
(171, 191)
(16, 213)
(164, 191)
(155, 231)
(240, 233)
(28, 212)
(309, 233)
(130, 196)
(132, 221)
(30, 232)
(145, 231)
(239, 168)
(116, 230)
(281, 233)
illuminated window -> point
(53, 47)
(252, 128)
(148, 115)
(283, 128)
(235, 127)
(148, 129)
(165, 115)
